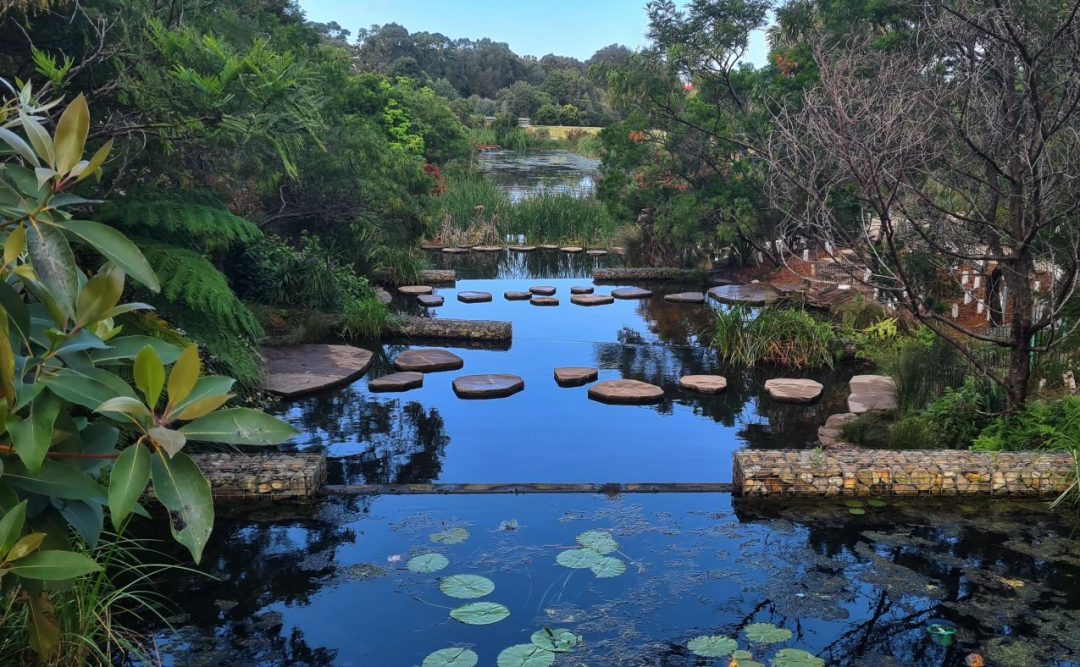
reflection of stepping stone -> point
(592, 299)
(542, 290)
(791, 390)
(631, 293)
(754, 295)
(517, 296)
(629, 392)
(397, 382)
(548, 246)
(415, 290)
(596, 253)
(544, 301)
(574, 376)
(571, 249)
(704, 384)
(522, 248)
(685, 297)
(430, 300)
(487, 386)
(428, 361)
(455, 251)
(294, 371)
(474, 297)
(487, 248)
(581, 290)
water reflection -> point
(538, 264)
(523, 174)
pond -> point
(524, 174)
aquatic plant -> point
(712, 646)
(452, 536)
(466, 586)
(480, 613)
(774, 335)
(427, 563)
(525, 655)
(452, 657)
(766, 633)
(560, 640)
(793, 657)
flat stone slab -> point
(704, 384)
(630, 274)
(626, 392)
(487, 248)
(438, 276)
(474, 297)
(415, 290)
(596, 253)
(591, 299)
(295, 371)
(496, 385)
(753, 295)
(685, 297)
(548, 246)
(581, 289)
(522, 248)
(517, 296)
(572, 249)
(575, 376)
(871, 392)
(831, 435)
(543, 290)
(429, 360)
(452, 329)
(631, 293)
(403, 381)
(544, 301)
(432, 246)
(430, 300)
(793, 390)
(455, 251)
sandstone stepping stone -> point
(455, 251)
(517, 296)
(592, 299)
(428, 361)
(575, 376)
(572, 249)
(431, 246)
(544, 301)
(831, 434)
(473, 297)
(542, 290)
(294, 371)
(631, 293)
(704, 384)
(793, 390)
(522, 248)
(415, 290)
(497, 385)
(383, 296)
(596, 253)
(871, 392)
(628, 392)
(487, 248)
(581, 289)
(430, 300)
(548, 246)
(397, 382)
(685, 297)
(753, 295)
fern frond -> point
(194, 222)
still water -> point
(523, 174)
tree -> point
(523, 99)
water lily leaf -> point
(766, 633)
(556, 640)
(874, 502)
(793, 657)
(712, 646)
(578, 559)
(741, 655)
(857, 510)
(466, 586)
(452, 657)
(454, 536)
(608, 567)
(525, 655)
(853, 503)
(425, 563)
(480, 613)
(599, 541)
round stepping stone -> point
(631, 293)
(432, 246)
(572, 249)
(496, 385)
(428, 361)
(685, 297)
(455, 251)
(415, 290)
(473, 297)
(548, 246)
(793, 390)
(522, 248)
(294, 371)
(543, 290)
(581, 289)
(626, 392)
(596, 253)
(487, 248)
(544, 301)
(430, 300)
(704, 384)
(397, 382)
(753, 295)
(592, 299)
(575, 376)
(517, 296)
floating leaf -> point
(466, 586)
(766, 633)
(578, 559)
(426, 563)
(556, 640)
(712, 646)
(525, 655)
(599, 541)
(608, 567)
(793, 657)
(741, 655)
(454, 536)
(853, 503)
(874, 502)
(508, 526)
(480, 613)
(452, 657)
(857, 510)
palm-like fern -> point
(196, 221)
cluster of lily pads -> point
(759, 634)
(857, 506)
(593, 555)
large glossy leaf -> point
(466, 586)
(56, 479)
(452, 657)
(525, 655)
(239, 426)
(168, 439)
(127, 347)
(115, 247)
(11, 527)
(184, 374)
(149, 375)
(17, 312)
(54, 565)
(54, 265)
(24, 546)
(206, 387)
(99, 295)
(202, 407)
(89, 391)
(44, 628)
(39, 138)
(182, 489)
(96, 161)
(87, 519)
(32, 435)
(70, 138)
(480, 613)
(127, 481)
(19, 145)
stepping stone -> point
(626, 392)
(455, 251)
(581, 290)
(397, 382)
(383, 296)
(704, 384)
(548, 246)
(572, 249)
(544, 301)
(487, 248)
(574, 376)
(752, 295)
(473, 297)
(415, 290)
(430, 300)
(792, 390)
(685, 297)
(517, 296)
(488, 386)
(871, 392)
(522, 248)
(543, 290)
(596, 253)
(428, 361)
(832, 433)
(592, 299)
(631, 293)
(295, 371)
(431, 246)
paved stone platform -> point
(263, 476)
(646, 273)
(437, 328)
(295, 371)
(438, 276)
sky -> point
(531, 27)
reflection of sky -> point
(523, 174)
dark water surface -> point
(523, 174)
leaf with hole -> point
(608, 567)
(525, 655)
(466, 586)
(480, 613)
(556, 640)
(578, 559)
(427, 563)
(766, 633)
(452, 536)
(599, 541)
(712, 646)
(451, 657)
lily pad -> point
(766, 633)
(556, 640)
(480, 613)
(578, 559)
(426, 563)
(453, 536)
(793, 657)
(525, 655)
(599, 541)
(608, 567)
(741, 655)
(466, 586)
(452, 657)
(857, 510)
(874, 502)
(712, 646)
(508, 526)
(853, 503)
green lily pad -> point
(556, 640)
(712, 646)
(525, 655)
(480, 613)
(578, 559)
(599, 541)
(766, 633)
(452, 657)
(453, 536)
(466, 586)
(608, 567)
(793, 657)
(750, 663)
(874, 502)
(853, 503)
(857, 510)
(741, 655)
(426, 563)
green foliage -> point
(957, 416)
(364, 318)
(1051, 425)
(923, 366)
(192, 221)
(774, 335)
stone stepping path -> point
(581, 289)
(522, 248)
(474, 297)
(831, 435)
(751, 295)
(430, 300)
(704, 384)
(631, 293)
(415, 290)
(403, 381)
(544, 301)
(592, 299)
(575, 376)
(543, 290)
(497, 385)
(517, 296)
(626, 392)
(429, 360)
(793, 390)
(685, 297)
(487, 248)
(871, 392)
(548, 246)
(572, 249)
(295, 371)
(431, 246)
(455, 251)
(596, 253)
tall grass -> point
(774, 335)
(923, 367)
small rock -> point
(793, 390)
(544, 301)
(543, 290)
(596, 253)
(592, 299)
(415, 290)
(627, 392)
(753, 295)
(428, 361)
(517, 296)
(397, 381)
(572, 249)
(497, 385)
(522, 248)
(455, 251)
(474, 297)
(430, 300)
(685, 297)
(871, 392)
(704, 384)
(487, 248)
(581, 289)
(631, 293)
(575, 376)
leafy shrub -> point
(957, 417)
(923, 366)
(774, 335)
(364, 318)
(1039, 424)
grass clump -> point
(774, 335)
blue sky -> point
(531, 27)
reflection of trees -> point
(538, 264)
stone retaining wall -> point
(900, 473)
(436, 328)
(438, 277)
(646, 273)
(263, 476)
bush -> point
(1039, 424)
(957, 417)
(923, 366)
(774, 335)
